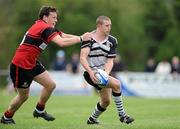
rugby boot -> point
(43, 115)
(7, 121)
(92, 121)
(126, 119)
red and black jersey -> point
(34, 42)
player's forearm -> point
(63, 42)
(85, 64)
(69, 41)
(64, 35)
(108, 67)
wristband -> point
(81, 39)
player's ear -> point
(45, 18)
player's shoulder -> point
(39, 27)
(112, 39)
(40, 24)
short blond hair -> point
(100, 19)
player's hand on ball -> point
(93, 77)
(102, 77)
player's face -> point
(106, 27)
(52, 19)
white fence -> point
(150, 84)
(66, 84)
(3, 72)
(133, 84)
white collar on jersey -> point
(96, 40)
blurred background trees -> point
(146, 28)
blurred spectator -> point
(163, 67)
(74, 65)
(60, 62)
(119, 66)
(175, 65)
(150, 65)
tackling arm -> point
(64, 35)
(67, 39)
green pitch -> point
(71, 112)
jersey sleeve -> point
(59, 32)
(85, 44)
(113, 47)
(49, 33)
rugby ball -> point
(102, 76)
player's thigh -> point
(105, 94)
(44, 79)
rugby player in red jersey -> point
(25, 66)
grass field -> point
(71, 112)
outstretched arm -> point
(68, 40)
(64, 35)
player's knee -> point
(117, 85)
(51, 86)
(106, 102)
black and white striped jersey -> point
(100, 51)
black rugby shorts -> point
(88, 79)
(22, 78)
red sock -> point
(8, 114)
(40, 106)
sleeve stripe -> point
(84, 45)
(52, 36)
(48, 33)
